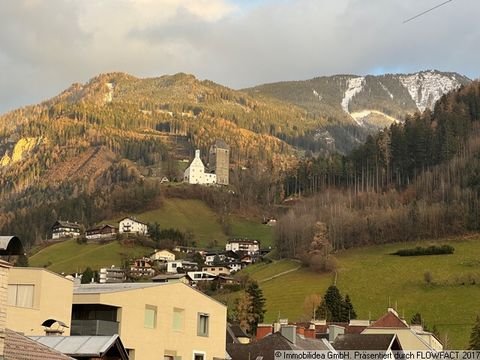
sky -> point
(46, 45)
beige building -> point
(163, 255)
(217, 270)
(36, 295)
(219, 161)
(154, 320)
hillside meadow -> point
(375, 280)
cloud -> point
(47, 45)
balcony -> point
(94, 327)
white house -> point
(65, 229)
(195, 173)
(173, 266)
(163, 255)
(210, 258)
(251, 247)
(130, 225)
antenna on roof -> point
(426, 11)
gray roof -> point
(80, 345)
(169, 277)
(66, 224)
(10, 245)
(366, 342)
(19, 347)
(111, 288)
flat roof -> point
(111, 288)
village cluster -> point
(44, 315)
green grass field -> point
(374, 279)
(252, 229)
(70, 257)
(197, 217)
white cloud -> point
(46, 45)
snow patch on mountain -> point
(386, 90)
(354, 86)
(426, 88)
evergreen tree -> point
(335, 305)
(87, 276)
(475, 335)
(258, 305)
(416, 319)
(350, 311)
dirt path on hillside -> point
(280, 274)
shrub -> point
(423, 251)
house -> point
(384, 343)
(411, 338)
(217, 270)
(195, 173)
(111, 275)
(163, 255)
(86, 347)
(35, 295)
(142, 268)
(164, 180)
(251, 247)
(211, 257)
(287, 338)
(223, 280)
(236, 335)
(132, 226)
(65, 229)
(15, 346)
(235, 266)
(168, 278)
(101, 232)
(182, 265)
(196, 276)
(170, 320)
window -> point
(21, 295)
(150, 321)
(198, 356)
(174, 265)
(202, 325)
(178, 319)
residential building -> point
(236, 335)
(217, 270)
(142, 268)
(411, 338)
(287, 338)
(168, 278)
(170, 320)
(196, 276)
(14, 346)
(65, 229)
(196, 174)
(219, 161)
(235, 266)
(35, 295)
(384, 343)
(86, 347)
(163, 255)
(101, 232)
(132, 226)
(111, 275)
(251, 247)
(182, 265)
(210, 258)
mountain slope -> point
(357, 105)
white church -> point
(195, 173)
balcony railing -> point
(94, 327)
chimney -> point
(263, 330)
(289, 332)
(4, 269)
(197, 154)
(310, 333)
(301, 331)
(334, 331)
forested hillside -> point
(356, 106)
(414, 180)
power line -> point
(427, 11)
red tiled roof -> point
(19, 347)
(389, 320)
